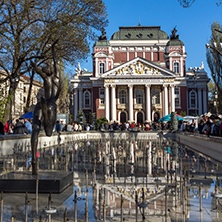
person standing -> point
(6, 128)
(58, 127)
(20, 128)
(28, 125)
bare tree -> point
(214, 58)
(29, 28)
(188, 3)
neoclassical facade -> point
(139, 75)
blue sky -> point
(193, 24)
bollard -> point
(37, 193)
(100, 205)
(104, 206)
(136, 197)
(121, 208)
(2, 206)
(40, 218)
(87, 210)
(65, 215)
(75, 207)
(200, 193)
(26, 206)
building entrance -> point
(123, 117)
(156, 116)
(139, 117)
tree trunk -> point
(27, 108)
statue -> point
(202, 66)
(174, 36)
(80, 71)
(103, 36)
(46, 109)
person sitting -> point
(20, 128)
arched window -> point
(139, 97)
(122, 97)
(192, 99)
(176, 67)
(86, 98)
(156, 97)
(101, 68)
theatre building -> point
(139, 75)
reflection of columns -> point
(205, 101)
(199, 102)
(149, 150)
(75, 103)
(148, 104)
(107, 102)
(130, 103)
(113, 101)
(165, 108)
(80, 98)
(172, 98)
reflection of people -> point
(45, 110)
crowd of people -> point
(206, 125)
(16, 127)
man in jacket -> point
(20, 128)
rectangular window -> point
(101, 92)
(177, 102)
(177, 91)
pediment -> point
(138, 67)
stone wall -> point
(8, 142)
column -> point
(107, 102)
(171, 64)
(149, 150)
(80, 98)
(107, 65)
(148, 104)
(181, 66)
(75, 103)
(130, 103)
(113, 101)
(165, 108)
(199, 101)
(96, 66)
(205, 110)
(172, 98)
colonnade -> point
(165, 105)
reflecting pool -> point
(120, 180)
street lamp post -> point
(215, 95)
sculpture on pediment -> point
(174, 36)
(80, 71)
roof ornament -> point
(103, 36)
(80, 71)
(174, 36)
(202, 66)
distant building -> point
(139, 75)
(21, 94)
